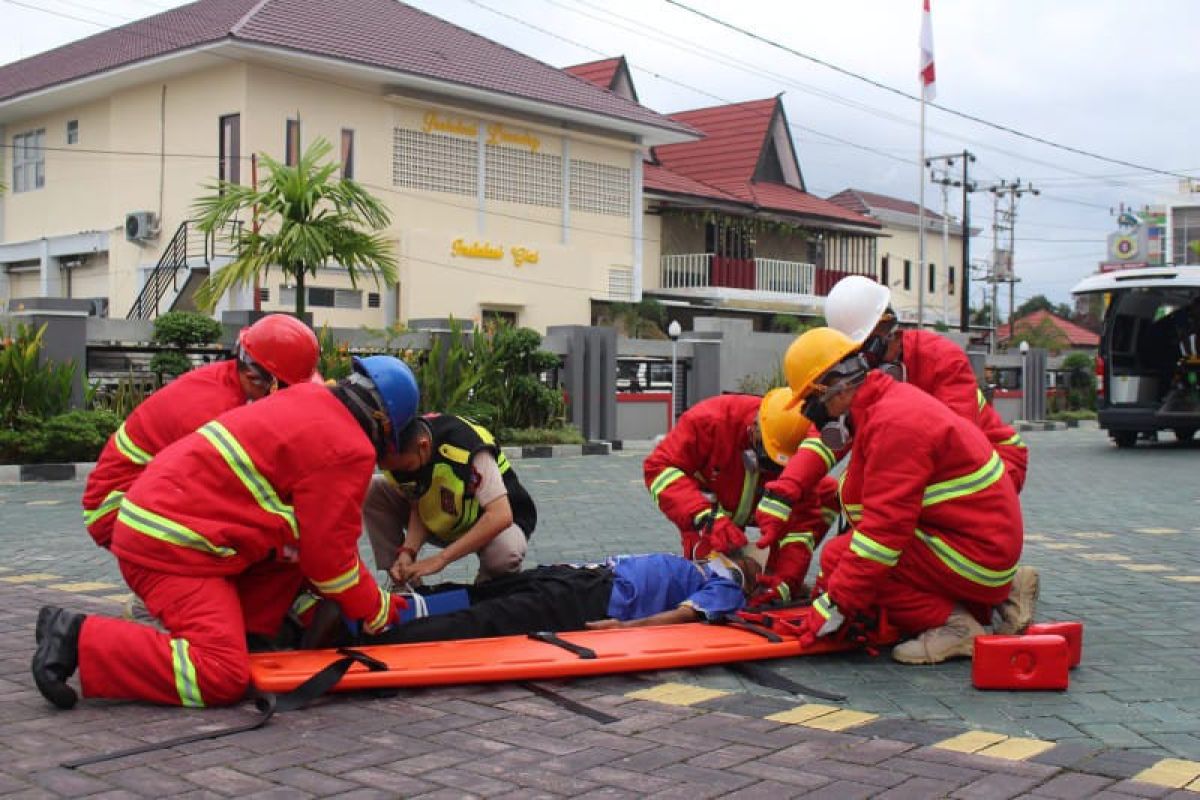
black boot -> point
(57, 654)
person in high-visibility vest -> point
(935, 526)
(454, 489)
(708, 474)
(275, 352)
(220, 532)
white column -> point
(481, 183)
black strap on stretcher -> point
(569, 704)
(765, 676)
(267, 704)
(550, 637)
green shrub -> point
(121, 400)
(186, 329)
(334, 361)
(511, 383)
(78, 435)
(568, 434)
(65, 438)
(170, 363)
(29, 384)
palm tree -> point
(305, 218)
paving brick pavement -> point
(1113, 531)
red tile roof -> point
(865, 202)
(728, 156)
(600, 72)
(734, 136)
(383, 34)
(1075, 335)
(658, 178)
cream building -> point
(897, 264)
(515, 187)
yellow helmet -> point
(812, 355)
(781, 428)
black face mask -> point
(816, 412)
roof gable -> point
(1075, 335)
(609, 73)
(747, 152)
(379, 34)
(869, 202)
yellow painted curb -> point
(677, 694)
(1016, 749)
(1184, 578)
(32, 577)
(1156, 531)
(83, 586)
(1145, 567)
(802, 714)
(971, 741)
(1173, 772)
(840, 720)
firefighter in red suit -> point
(221, 530)
(861, 308)
(707, 474)
(274, 352)
(935, 527)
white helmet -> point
(855, 305)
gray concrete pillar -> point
(704, 379)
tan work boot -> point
(1017, 611)
(954, 639)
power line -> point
(907, 96)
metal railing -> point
(694, 270)
(190, 246)
(791, 277)
(685, 271)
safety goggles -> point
(876, 346)
(846, 374)
(256, 373)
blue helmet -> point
(397, 386)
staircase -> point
(192, 252)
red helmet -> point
(282, 345)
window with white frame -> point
(29, 161)
(599, 188)
(322, 297)
(519, 176)
(434, 162)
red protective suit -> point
(934, 521)
(166, 416)
(218, 534)
(939, 367)
(700, 467)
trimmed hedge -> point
(65, 438)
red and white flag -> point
(928, 87)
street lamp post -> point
(674, 330)
(1025, 400)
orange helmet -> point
(810, 356)
(781, 428)
(283, 345)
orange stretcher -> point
(545, 655)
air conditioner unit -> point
(140, 225)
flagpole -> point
(921, 222)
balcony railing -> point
(701, 270)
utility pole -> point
(1004, 220)
(964, 319)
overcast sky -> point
(1117, 79)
